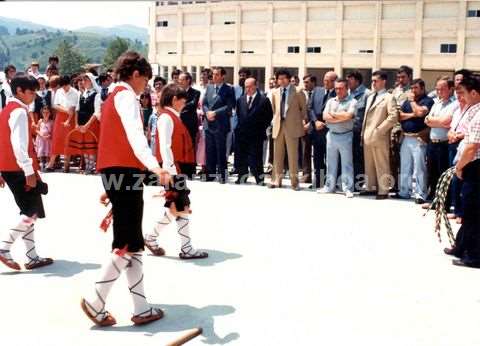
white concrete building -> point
(433, 36)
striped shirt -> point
(472, 136)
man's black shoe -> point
(465, 262)
(368, 193)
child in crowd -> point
(43, 142)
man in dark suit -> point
(315, 127)
(254, 113)
(218, 102)
(189, 116)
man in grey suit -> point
(315, 127)
(218, 102)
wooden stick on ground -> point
(186, 337)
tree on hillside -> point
(4, 31)
(71, 60)
(116, 48)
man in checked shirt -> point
(468, 169)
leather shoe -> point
(380, 197)
(273, 186)
(466, 263)
(368, 193)
(419, 201)
(306, 180)
(399, 196)
(450, 251)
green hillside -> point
(25, 45)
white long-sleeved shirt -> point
(128, 108)
(19, 137)
(7, 89)
(67, 99)
(165, 131)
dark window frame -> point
(366, 51)
(448, 48)
(293, 49)
(473, 13)
(316, 49)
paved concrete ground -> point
(286, 268)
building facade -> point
(432, 36)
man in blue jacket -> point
(218, 102)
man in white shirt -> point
(10, 72)
(339, 116)
(439, 120)
(34, 69)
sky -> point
(72, 15)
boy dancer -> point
(19, 169)
(123, 156)
(173, 150)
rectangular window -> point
(229, 22)
(247, 52)
(229, 52)
(157, 3)
(194, 74)
(314, 49)
(162, 23)
(172, 53)
(293, 49)
(473, 13)
(365, 51)
(448, 48)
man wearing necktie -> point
(381, 115)
(239, 89)
(290, 112)
(254, 112)
(218, 102)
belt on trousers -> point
(437, 141)
(411, 134)
(341, 133)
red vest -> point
(8, 162)
(114, 150)
(182, 147)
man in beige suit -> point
(289, 112)
(381, 115)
